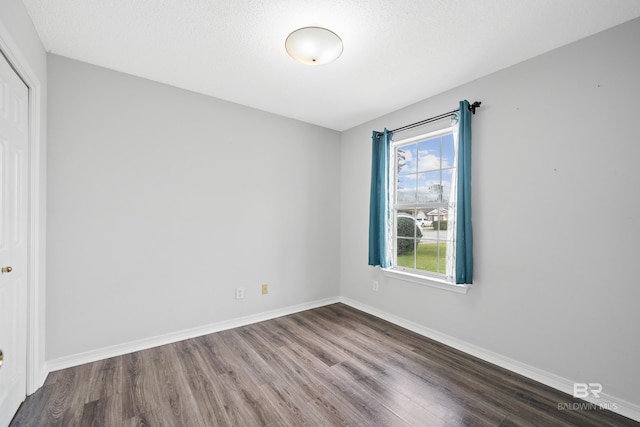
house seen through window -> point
(424, 174)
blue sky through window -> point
(425, 170)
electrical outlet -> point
(239, 293)
(375, 286)
(265, 289)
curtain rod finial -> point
(472, 107)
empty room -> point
(284, 213)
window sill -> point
(426, 281)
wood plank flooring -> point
(329, 366)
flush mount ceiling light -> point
(314, 45)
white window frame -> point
(435, 280)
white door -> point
(14, 125)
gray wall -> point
(556, 212)
(18, 34)
(163, 201)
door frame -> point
(36, 371)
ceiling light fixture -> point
(314, 45)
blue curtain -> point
(379, 201)
(464, 232)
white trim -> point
(426, 280)
(427, 135)
(36, 372)
(146, 343)
(622, 407)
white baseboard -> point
(143, 344)
(619, 406)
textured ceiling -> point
(396, 52)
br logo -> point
(582, 390)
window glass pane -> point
(406, 253)
(406, 192)
(431, 256)
(408, 234)
(407, 159)
(448, 152)
(429, 155)
(421, 217)
(407, 226)
(439, 221)
(447, 174)
(429, 187)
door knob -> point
(7, 269)
(1, 358)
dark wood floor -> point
(325, 367)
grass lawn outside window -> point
(426, 257)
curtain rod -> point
(472, 108)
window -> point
(423, 174)
(420, 203)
